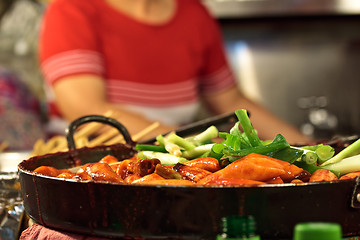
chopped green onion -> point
(278, 143)
(311, 168)
(172, 148)
(165, 158)
(346, 165)
(248, 128)
(351, 150)
(324, 153)
(160, 140)
(309, 158)
(182, 142)
(197, 151)
(288, 154)
(203, 137)
(148, 147)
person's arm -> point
(80, 95)
(267, 124)
(222, 96)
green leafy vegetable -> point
(231, 147)
(345, 165)
(309, 158)
(322, 152)
(322, 157)
(202, 150)
(247, 127)
(165, 158)
(172, 149)
(174, 139)
(351, 150)
(238, 144)
(242, 140)
(288, 154)
(160, 140)
(311, 168)
(204, 137)
(149, 147)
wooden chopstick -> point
(103, 137)
(145, 131)
(81, 137)
(136, 137)
(84, 132)
(91, 128)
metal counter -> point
(262, 8)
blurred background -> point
(299, 58)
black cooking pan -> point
(122, 210)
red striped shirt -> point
(143, 65)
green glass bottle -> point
(238, 228)
(317, 231)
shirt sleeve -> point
(68, 42)
(216, 73)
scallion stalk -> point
(309, 158)
(165, 158)
(248, 128)
(351, 150)
(346, 165)
(148, 147)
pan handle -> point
(95, 118)
(201, 125)
(355, 200)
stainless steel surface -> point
(11, 207)
(304, 70)
(261, 8)
(10, 160)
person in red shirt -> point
(147, 60)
